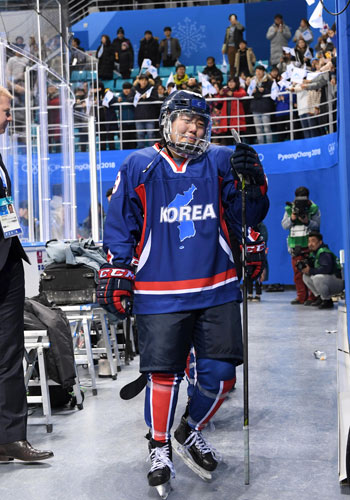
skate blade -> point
(164, 489)
(186, 457)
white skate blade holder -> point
(186, 457)
(163, 490)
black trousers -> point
(13, 401)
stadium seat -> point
(164, 81)
(109, 84)
(78, 76)
(135, 72)
(200, 69)
(166, 71)
(91, 75)
(190, 70)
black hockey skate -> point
(195, 451)
(162, 468)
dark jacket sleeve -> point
(326, 265)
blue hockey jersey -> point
(171, 216)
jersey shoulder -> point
(221, 156)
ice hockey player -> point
(167, 209)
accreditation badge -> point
(8, 218)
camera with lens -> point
(301, 264)
(300, 206)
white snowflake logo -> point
(191, 36)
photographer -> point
(300, 217)
(321, 272)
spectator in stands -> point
(275, 74)
(105, 56)
(233, 37)
(212, 70)
(285, 60)
(232, 110)
(125, 59)
(245, 60)
(282, 116)
(149, 49)
(117, 43)
(33, 47)
(142, 95)
(324, 44)
(261, 105)
(19, 42)
(278, 34)
(54, 119)
(80, 123)
(171, 87)
(300, 218)
(322, 272)
(77, 58)
(215, 111)
(127, 132)
(303, 53)
(161, 92)
(169, 48)
(15, 69)
(109, 118)
(304, 32)
(180, 77)
(193, 86)
(308, 105)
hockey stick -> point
(237, 140)
(133, 388)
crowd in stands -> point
(261, 99)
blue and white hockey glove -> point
(245, 162)
(255, 256)
(115, 289)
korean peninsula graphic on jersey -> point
(186, 227)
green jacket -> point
(316, 257)
(298, 233)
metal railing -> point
(126, 134)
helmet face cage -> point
(194, 105)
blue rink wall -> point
(309, 162)
(200, 30)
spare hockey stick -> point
(237, 140)
(133, 388)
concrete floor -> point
(100, 452)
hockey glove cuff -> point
(115, 289)
(255, 256)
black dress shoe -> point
(326, 304)
(22, 450)
(317, 302)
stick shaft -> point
(245, 340)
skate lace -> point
(197, 439)
(160, 459)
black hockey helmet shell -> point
(183, 101)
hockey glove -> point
(115, 289)
(245, 162)
(255, 256)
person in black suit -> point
(13, 400)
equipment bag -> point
(68, 284)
